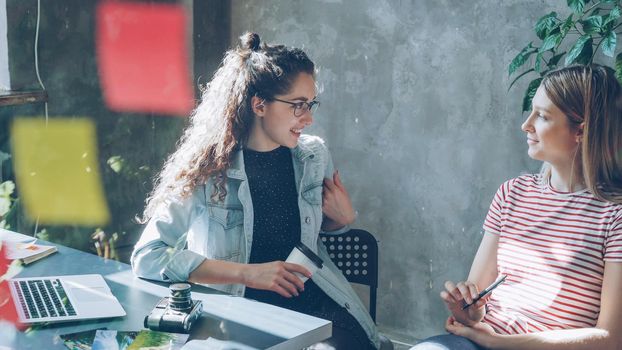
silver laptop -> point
(63, 298)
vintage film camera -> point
(175, 313)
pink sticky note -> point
(143, 57)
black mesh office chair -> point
(355, 253)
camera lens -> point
(180, 299)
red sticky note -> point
(7, 307)
(143, 57)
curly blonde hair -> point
(221, 123)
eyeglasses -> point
(301, 108)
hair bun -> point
(250, 41)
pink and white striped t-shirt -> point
(552, 247)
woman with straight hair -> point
(555, 236)
(245, 186)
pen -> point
(486, 291)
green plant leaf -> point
(618, 67)
(520, 76)
(550, 42)
(567, 25)
(585, 57)
(592, 24)
(576, 5)
(530, 93)
(613, 15)
(521, 58)
(6, 189)
(538, 62)
(609, 44)
(589, 21)
(577, 49)
(545, 24)
(555, 59)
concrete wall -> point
(416, 111)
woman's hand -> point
(277, 276)
(480, 332)
(336, 204)
(456, 295)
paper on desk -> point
(18, 246)
(12, 236)
(57, 170)
(268, 318)
(143, 57)
(215, 344)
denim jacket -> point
(183, 233)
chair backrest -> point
(355, 253)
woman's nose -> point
(307, 118)
(526, 126)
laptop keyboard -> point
(43, 298)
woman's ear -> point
(258, 105)
(579, 135)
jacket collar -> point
(236, 170)
(303, 152)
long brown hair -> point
(223, 120)
(592, 95)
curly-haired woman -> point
(245, 186)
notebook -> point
(22, 247)
(63, 298)
(28, 252)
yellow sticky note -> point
(57, 170)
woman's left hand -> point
(480, 333)
(336, 204)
